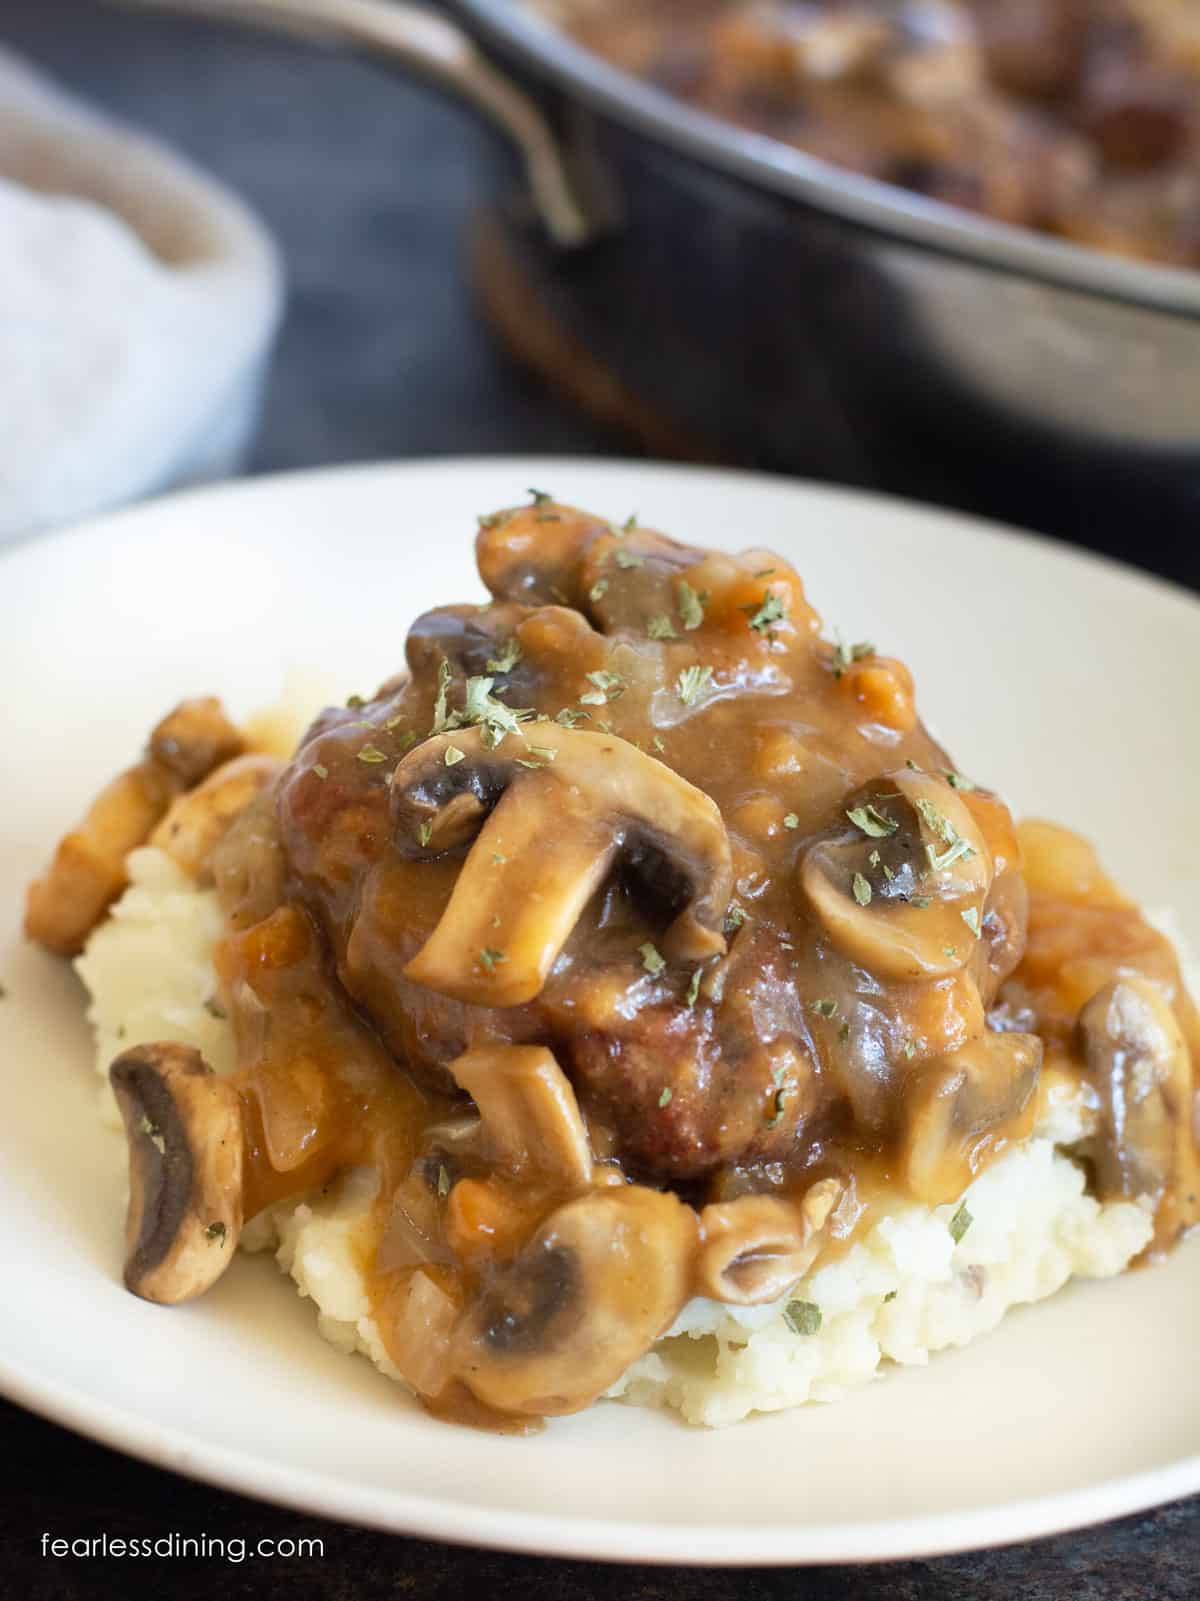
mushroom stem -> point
(516, 900)
(528, 1109)
(563, 804)
(186, 1143)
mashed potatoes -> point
(905, 1289)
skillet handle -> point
(433, 48)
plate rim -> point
(609, 1540)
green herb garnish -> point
(693, 989)
(660, 626)
(506, 658)
(490, 957)
(691, 605)
(960, 1223)
(956, 846)
(599, 589)
(629, 558)
(844, 655)
(770, 610)
(425, 833)
(692, 683)
(802, 1317)
(862, 890)
(372, 755)
(651, 960)
(824, 1008)
(609, 686)
(215, 1233)
(665, 1098)
(320, 770)
(539, 496)
(791, 820)
(873, 822)
(971, 918)
(956, 780)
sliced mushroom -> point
(903, 897)
(529, 1110)
(958, 1105)
(1139, 1065)
(198, 820)
(755, 1248)
(603, 1277)
(186, 1141)
(563, 804)
(88, 870)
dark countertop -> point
(367, 184)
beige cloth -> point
(138, 302)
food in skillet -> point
(1077, 117)
(630, 998)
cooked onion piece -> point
(88, 870)
(198, 820)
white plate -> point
(1068, 681)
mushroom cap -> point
(909, 925)
(959, 1103)
(755, 1247)
(552, 809)
(1140, 1066)
(602, 1278)
(186, 1144)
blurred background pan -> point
(720, 295)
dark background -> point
(367, 184)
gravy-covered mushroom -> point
(186, 1143)
(560, 807)
(598, 1283)
(1138, 1063)
(901, 885)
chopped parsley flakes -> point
(651, 960)
(845, 655)
(770, 610)
(506, 658)
(873, 822)
(490, 957)
(862, 890)
(692, 683)
(608, 686)
(960, 1223)
(660, 626)
(802, 1317)
(691, 605)
(665, 1098)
